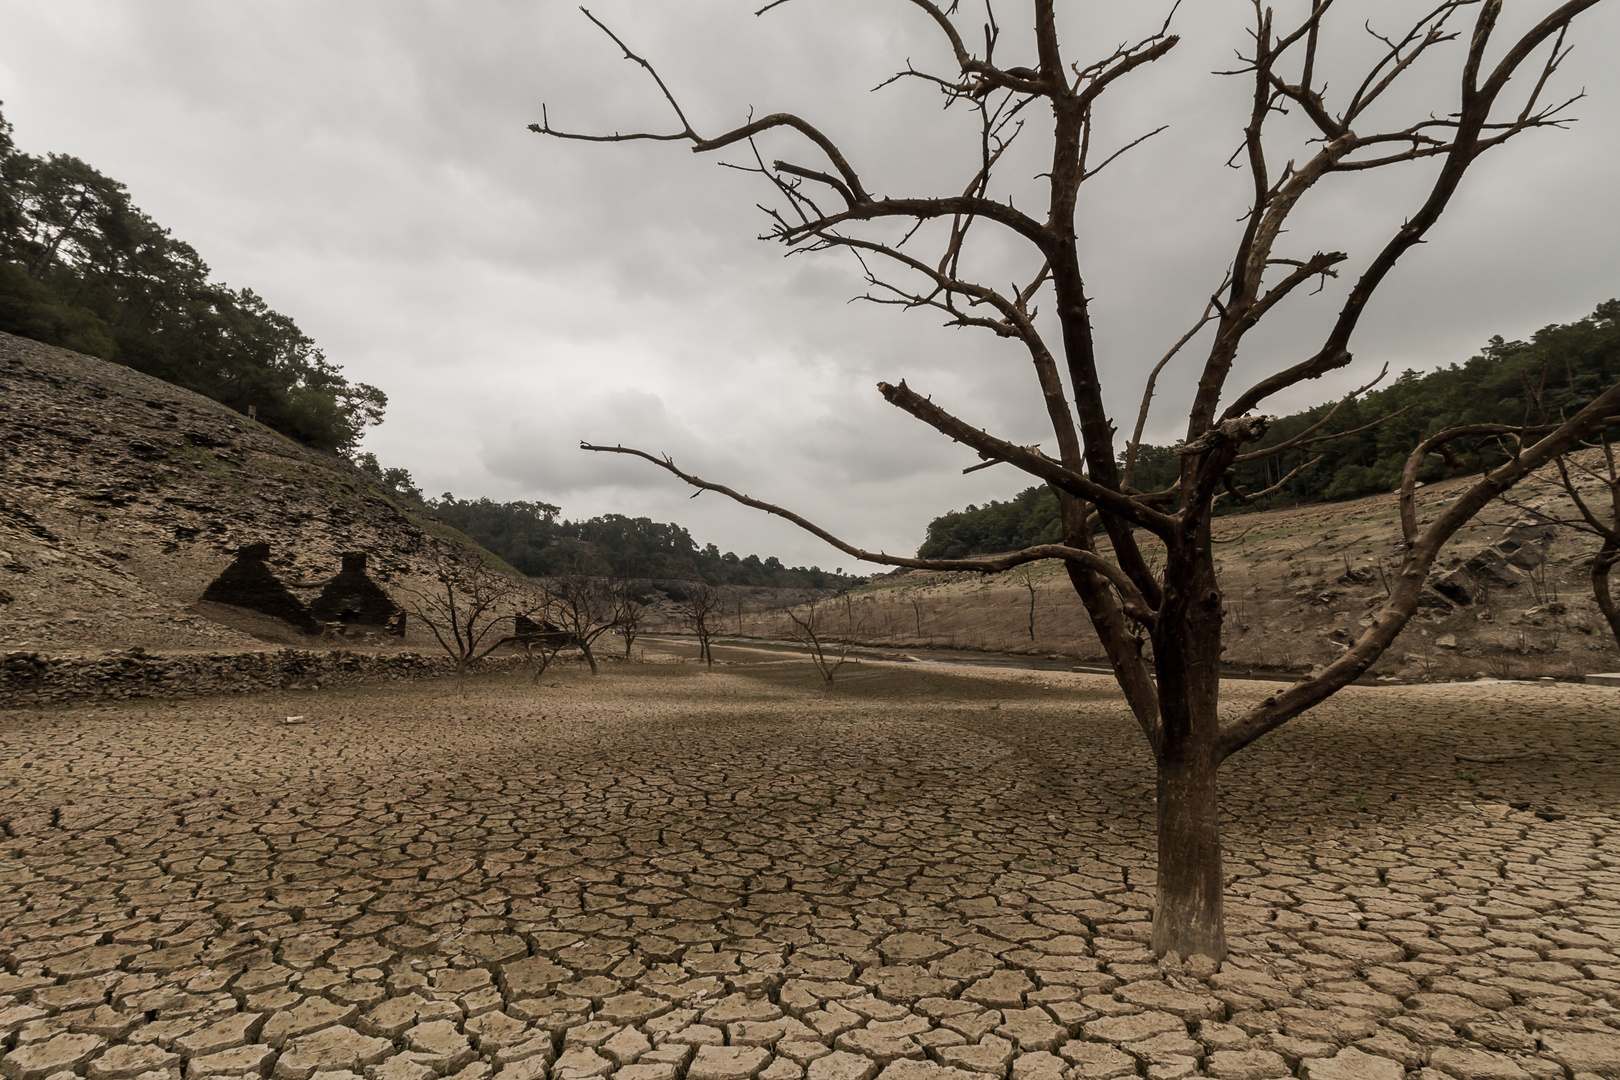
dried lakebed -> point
(926, 874)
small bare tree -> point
(582, 609)
(1298, 141)
(627, 612)
(465, 607)
(699, 612)
(537, 634)
(810, 629)
(1599, 517)
(1024, 578)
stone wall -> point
(34, 678)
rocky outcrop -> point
(1503, 565)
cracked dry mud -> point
(924, 875)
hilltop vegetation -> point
(530, 537)
(1555, 373)
(81, 267)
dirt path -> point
(670, 872)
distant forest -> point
(529, 536)
(1558, 370)
(84, 269)
(531, 539)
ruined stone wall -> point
(34, 678)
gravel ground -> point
(669, 872)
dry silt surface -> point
(923, 874)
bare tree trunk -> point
(1602, 564)
(590, 658)
(1030, 585)
(1186, 654)
(1187, 916)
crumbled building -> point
(248, 582)
(353, 599)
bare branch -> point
(984, 564)
(1304, 437)
(1133, 144)
(995, 461)
(1134, 446)
(1436, 442)
(1082, 487)
(1467, 144)
(1232, 489)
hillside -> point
(124, 496)
(83, 268)
(1299, 583)
(1357, 447)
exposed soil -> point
(670, 873)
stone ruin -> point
(350, 599)
(250, 583)
(353, 599)
(544, 633)
(1503, 565)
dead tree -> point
(627, 612)
(1351, 127)
(538, 635)
(583, 610)
(810, 629)
(1599, 517)
(699, 611)
(465, 607)
(1025, 579)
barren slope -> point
(1299, 585)
(124, 496)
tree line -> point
(1555, 373)
(533, 540)
(81, 267)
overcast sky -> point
(366, 168)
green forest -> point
(1555, 373)
(82, 268)
(529, 536)
(531, 539)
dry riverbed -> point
(672, 872)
